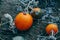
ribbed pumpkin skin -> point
(51, 27)
(23, 21)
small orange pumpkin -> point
(23, 21)
(36, 12)
(51, 27)
(37, 9)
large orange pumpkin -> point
(51, 27)
(23, 21)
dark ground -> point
(10, 6)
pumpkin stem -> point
(52, 32)
(24, 13)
